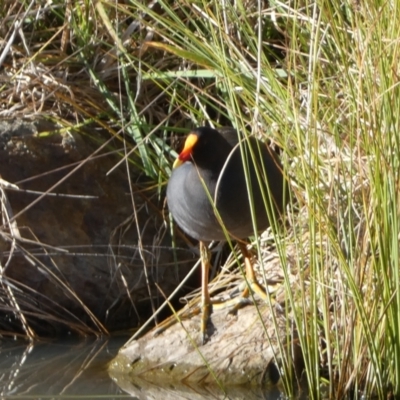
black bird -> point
(221, 188)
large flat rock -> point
(242, 350)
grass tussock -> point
(320, 79)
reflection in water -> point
(78, 369)
(144, 390)
(66, 368)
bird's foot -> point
(206, 310)
(257, 289)
(244, 299)
(206, 323)
(233, 305)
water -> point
(77, 369)
(62, 369)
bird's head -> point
(201, 144)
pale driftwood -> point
(240, 351)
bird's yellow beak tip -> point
(186, 153)
(178, 162)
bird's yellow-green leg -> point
(252, 284)
(250, 275)
(206, 305)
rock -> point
(241, 351)
(75, 264)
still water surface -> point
(77, 369)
